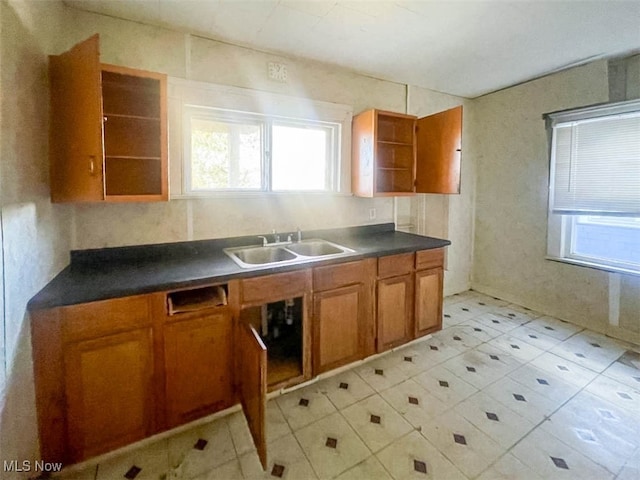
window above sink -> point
(237, 142)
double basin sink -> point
(286, 253)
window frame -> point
(605, 263)
(561, 226)
(228, 101)
(192, 112)
(332, 148)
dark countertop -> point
(118, 272)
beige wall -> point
(195, 58)
(35, 234)
(510, 145)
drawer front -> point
(394, 265)
(336, 276)
(258, 290)
(429, 258)
(95, 319)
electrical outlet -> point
(277, 71)
(372, 214)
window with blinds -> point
(596, 166)
(594, 187)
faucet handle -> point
(276, 236)
(299, 233)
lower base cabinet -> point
(428, 299)
(394, 300)
(99, 375)
(95, 375)
(395, 315)
(252, 385)
(337, 325)
(198, 354)
(278, 307)
(112, 372)
(266, 307)
(343, 326)
(429, 291)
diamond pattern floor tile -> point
(327, 460)
(509, 467)
(462, 443)
(414, 457)
(376, 422)
(551, 458)
(502, 424)
(304, 406)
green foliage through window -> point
(243, 151)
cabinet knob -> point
(92, 165)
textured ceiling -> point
(465, 48)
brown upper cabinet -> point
(396, 154)
(108, 129)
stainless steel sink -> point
(263, 255)
(315, 248)
(286, 253)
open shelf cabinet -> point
(108, 129)
(394, 154)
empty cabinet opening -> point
(132, 129)
(130, 95)
(280, 327)
(196, 299)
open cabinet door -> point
(252, 381)
(76, 155)
(439, 145)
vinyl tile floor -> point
(501, 392)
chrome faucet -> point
(276, 239)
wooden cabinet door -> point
(251, 355)
(395, 311)
(199, 366)
(76, 158)
(428, 307)
(439, 146)
(338, 327)
(109, 392)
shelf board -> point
(389, 142)
(406, 169)
(130, 157)
(143, 197)
(138, 117)
(394, 193)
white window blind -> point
(595, 160)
